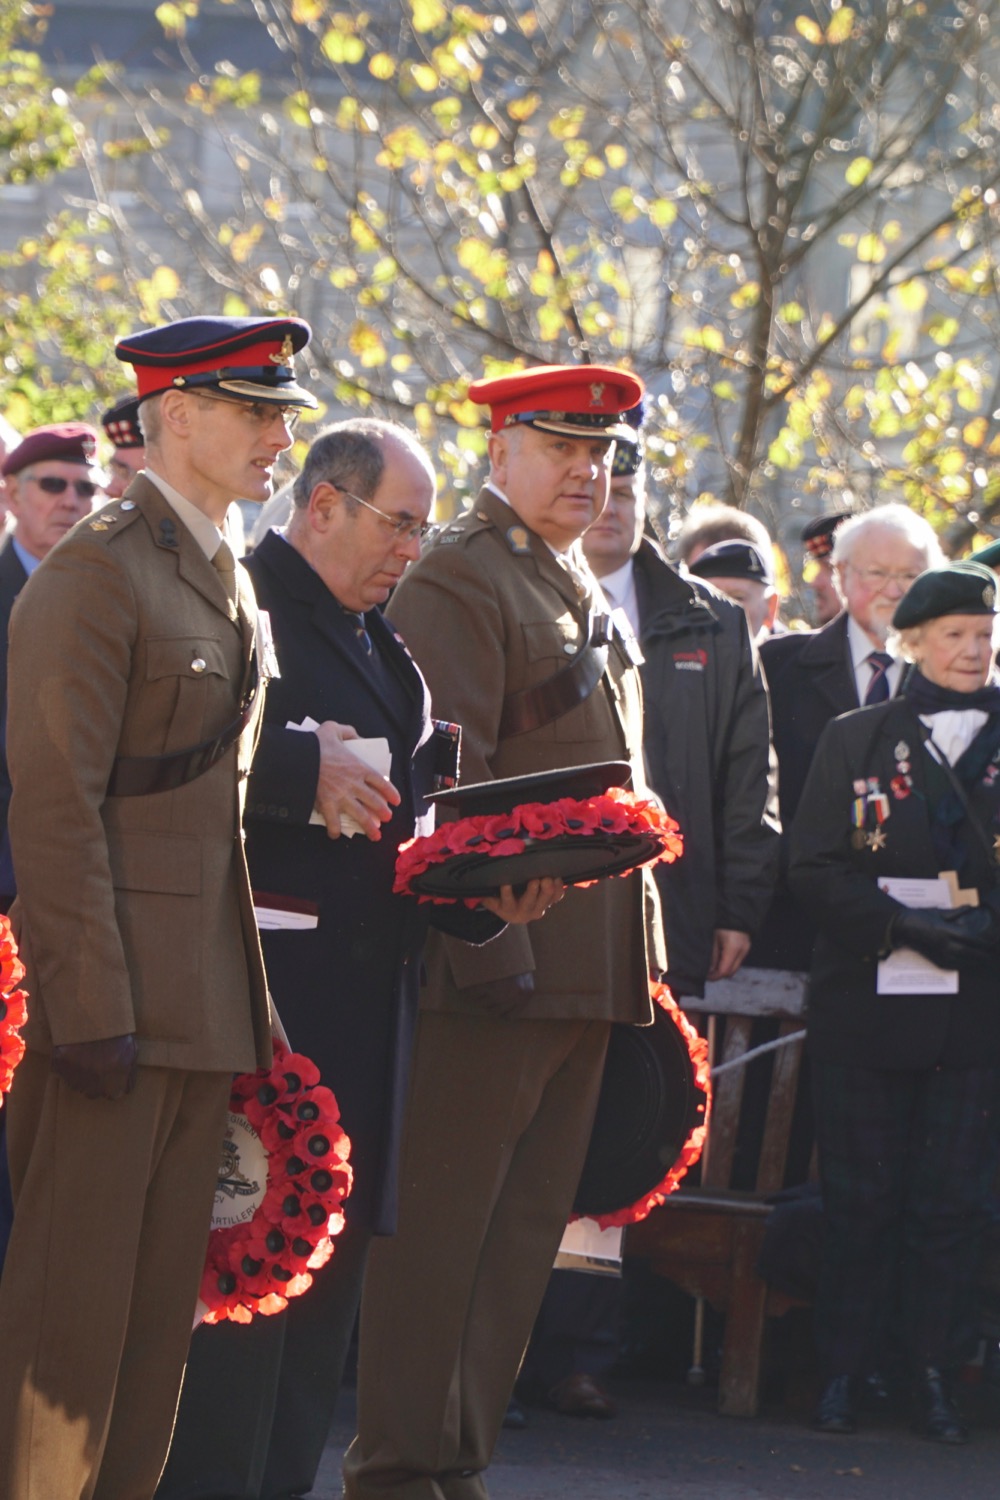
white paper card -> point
(377, 757)
(273, 919)
(905, 972)
(586, 1246)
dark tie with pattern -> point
(361, 635)
(878, 687)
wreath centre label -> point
(242, 1174)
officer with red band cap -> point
(507, 623)
(135, 688)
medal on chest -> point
(869, 814)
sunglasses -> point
(54, 484)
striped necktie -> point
(878, 687)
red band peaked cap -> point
(249, 358)
(570, 399)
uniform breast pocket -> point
(184, 674)
(551, 646)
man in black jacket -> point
(258, 1400)
(706, 738)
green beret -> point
(989, 556)
(960, 588)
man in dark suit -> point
(134, 693)
(815, 675)
(258, 1400)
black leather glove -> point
(98, 1070)
(949, 938)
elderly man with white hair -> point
(815, 675)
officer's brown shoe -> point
(579, 1395)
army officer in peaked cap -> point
(501, 615)
(906, 1071)
(133, 645)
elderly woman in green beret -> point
(894, 852)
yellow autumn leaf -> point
(427, 14)
(808, 28)
(465, 413)
(484, 136)
(165, 282)
(840, 27)
(365, 342)
(523, 108)
(424, 77)
(871, 250)
(911, 296)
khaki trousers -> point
(112, 1208)
(498, 1125)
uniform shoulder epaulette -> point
(462, 527)
(112, 518)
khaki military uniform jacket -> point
(134, 913)
(487, 612)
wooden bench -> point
(706, 1237)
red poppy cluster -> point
(13, 1011)
(615, 812)
(255, 1267)
(691, 1150)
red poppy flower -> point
(615, 813)
(13, 1009)
(256, 1267)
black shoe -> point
(515, 1418)
(937, 1414)
(838, 1406)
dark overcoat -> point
(811, 680)
(347, 989)
(836, 883)
(707, 741)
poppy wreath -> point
(614, 812)
(13, 1010)
(692, 1148)
(257, 1266)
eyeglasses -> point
(404, 527)
(54, 484)
(260, 414)
(877, 578)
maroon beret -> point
(71, 442)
